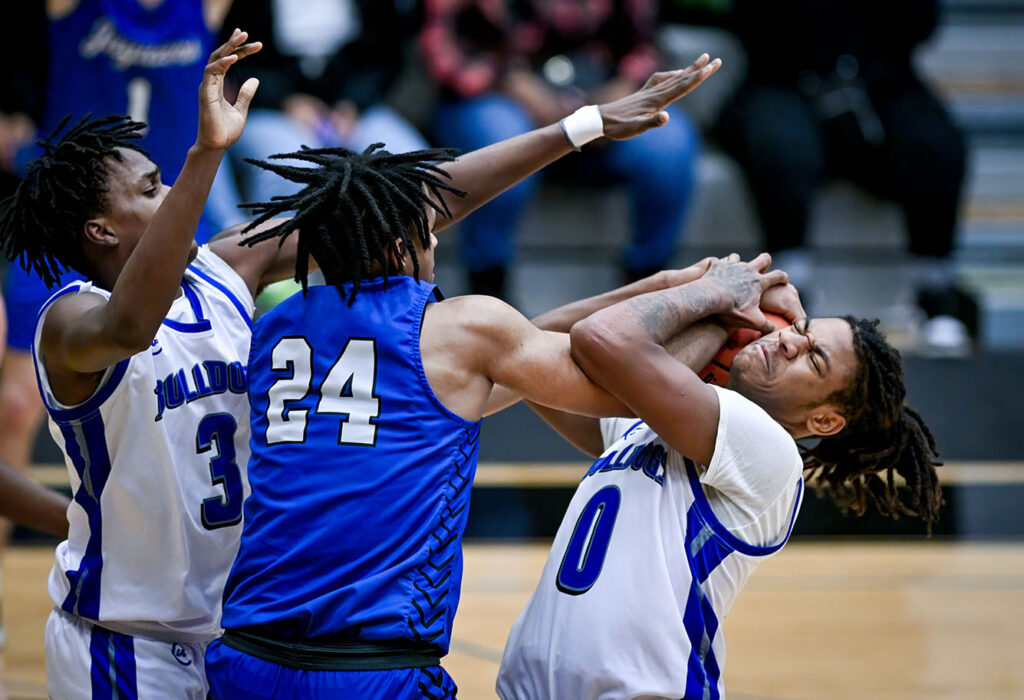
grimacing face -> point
(790, 373)
(134, 193)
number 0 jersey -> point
(649, 558)
(156, 459)
(360, 476)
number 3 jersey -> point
(156, 459)
(360, 476)
(649, 558)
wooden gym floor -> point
(821, 620)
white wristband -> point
(583, 126)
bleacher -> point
(569, 243)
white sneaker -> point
(945, 336)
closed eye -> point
(815, 351)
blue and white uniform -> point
(648, 561)
(118, 57)
(156, 459)
(360, 492)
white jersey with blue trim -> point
(157, 458)
(649, 558)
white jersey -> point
(648, 560)
(157, 459)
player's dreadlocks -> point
(355, 208)
(41, 223)
(882, 436)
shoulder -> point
(476, 312)
(212, 266)
(473, 314)
(66, 306)
(472, 328)
(746, 422)
(753, 453)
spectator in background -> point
(506, 67)
(831, 91)
(325, 71)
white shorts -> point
(86, 662)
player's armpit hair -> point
(356, 211)
(41, 223)
(883, 437)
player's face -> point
(792, 371)
(134, 193)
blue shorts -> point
(234, 675)
(24, 295)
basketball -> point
(717, 371)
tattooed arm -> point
(621, 348)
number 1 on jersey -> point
(347, 390)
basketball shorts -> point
(24, 294)
(234, 675)
(85, 662)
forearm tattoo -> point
(665, 313)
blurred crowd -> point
(830, 91)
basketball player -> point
(683, 504)
(142, 389)
(137, 57)
(366, 397)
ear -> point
(96, 233)
(825, 421)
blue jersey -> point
(360, 476)
(117, 57)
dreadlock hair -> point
(883, 436)
(355, 208)
(41, 223)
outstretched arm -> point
(561, 320)
(85, 334)
(489, 171)
(27, 503)
(622, 349)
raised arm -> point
(622, 349)
(261, 263)
(489, 171)
(471, 344)
(85, 334)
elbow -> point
(597, 346)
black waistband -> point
(310, 655)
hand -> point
(784, 300)
(675, 278)
(220, 122)
(636, 113)
(743, 284)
